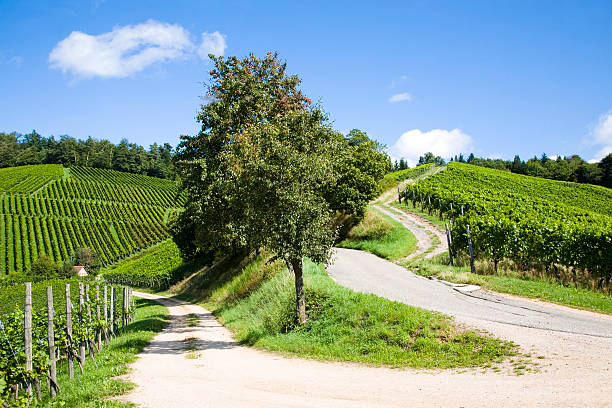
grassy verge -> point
(381, 235)
(255, 299)
(509, 282)
(99, 380)
(434, 219)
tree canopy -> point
(267, 169)
(32, 148)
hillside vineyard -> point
(48, 209)
(526, 219)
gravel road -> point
(576, 372)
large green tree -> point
(258, 171)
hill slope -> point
(51, 210)
(527, 219)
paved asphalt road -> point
(364, 272)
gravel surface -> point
(575, 372)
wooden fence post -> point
(51, 340)
(123, 308)
(449, 241)
(98, 331)
(112, 311)
(27, 331)
(82, 344)
(69, 331)
(472, 267)
(105, 315)
(399, 195)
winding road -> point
(202, 366)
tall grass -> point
(255, 298)
(381, 235)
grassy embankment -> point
(99, 382)
(381, 235)
(255, 299)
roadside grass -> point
(511, 282)
(99, 382)
(381, 235)
(255, 298)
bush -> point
(45, 266)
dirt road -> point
(575, 373)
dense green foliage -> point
(255, 300)
(529, 220)
(19, 150)
(157, 267)
(115, 214)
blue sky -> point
(495, 77)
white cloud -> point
(405, 96)
(126, 50)
(443, 143)
(212, 43)
(602, 135)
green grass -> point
(381, 235)
(255, 299)
(504, 282)
(98, 382)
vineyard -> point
(157, 267)
(51, 321)
(46, 209)
(529, 220)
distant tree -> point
(517, 165)
(44, 266)
(88, 258)
(360, 163)
(470, 158)
(605, 166)
(429, 157)
(461, 158)
(9, 149)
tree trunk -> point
(300, 297)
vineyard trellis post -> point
(105, 315)
(82, 343)
(98, 331)
(69, 331)
(449, 241)
(51, 340)
(112, 311)
(123, 308)
(27, 331)
(472, 267)
(399, 195)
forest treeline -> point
(32, 148)
(572, 168)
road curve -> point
(221, 373)
(364, 272)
